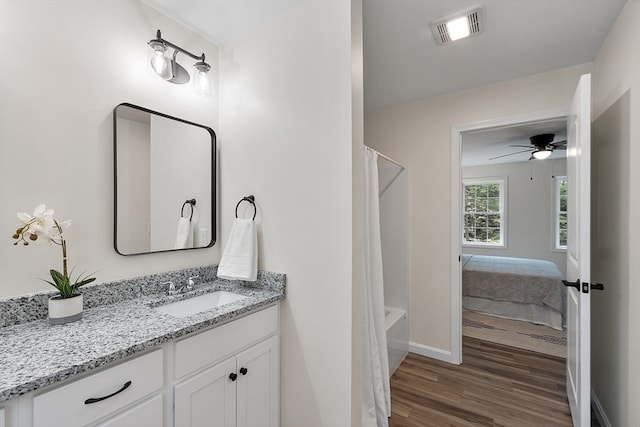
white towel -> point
(240, 258)
(182, 235)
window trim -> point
(556, 247)
(502, 182)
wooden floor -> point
(496, 385)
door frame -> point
(456, 214)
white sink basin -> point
(200, 303)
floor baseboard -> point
(598, 411)
(434, 353)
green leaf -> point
(84, 282)
(58, 277)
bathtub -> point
(397, 325)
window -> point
(560, 220)
(484, 216)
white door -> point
(578, 254)
(258, 378)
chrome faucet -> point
(172, 288)
(184, 288)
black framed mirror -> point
(164, 182)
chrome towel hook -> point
(251, 200)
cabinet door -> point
(148, 413)
(258, 385)
(207, 399)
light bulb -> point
(159, 61)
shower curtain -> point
(376, 394)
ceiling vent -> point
(459, 25)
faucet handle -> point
(172, 287)
(190, 282)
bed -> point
(515, 288)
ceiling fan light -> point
(542, 154)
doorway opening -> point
(504, 213)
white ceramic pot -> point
(65, 310)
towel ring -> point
(251, 200)
(190, 202)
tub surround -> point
(118, 321)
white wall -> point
(67, 65)
(418, 134)
(530, 209)
(286, 135)
(133, 162)
(394, 233)
(615, 319)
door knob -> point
(597, 286)
(233, 376)
(244, 371)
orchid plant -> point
(42, 226)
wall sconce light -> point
(168, 68)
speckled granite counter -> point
(35, 354)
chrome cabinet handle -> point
(100, 399)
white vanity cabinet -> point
(227, 375)
(231, 374)
(104, 395)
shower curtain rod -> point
(386, 157)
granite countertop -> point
(36, 354)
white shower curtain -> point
(376, 394)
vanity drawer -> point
(207, 347)
(69, 405)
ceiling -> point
(401, 60)
(479, 147)
(221, 21)
(403, 63)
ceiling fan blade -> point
(510, 154)
(558, 144)
(523, 146)
(562, 147)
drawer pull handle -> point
(244, 371)
(99, 399)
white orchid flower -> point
(42, 224)
(39, 226)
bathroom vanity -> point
(127, 364)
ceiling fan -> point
(541, 147)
